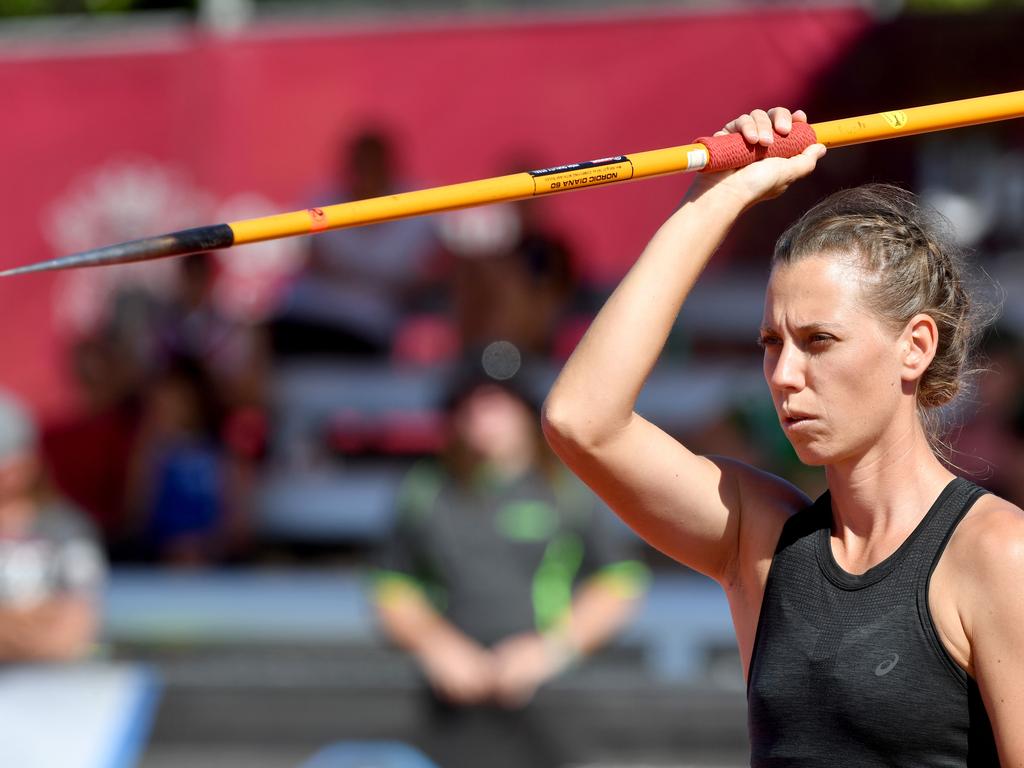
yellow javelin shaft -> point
(516, 186)
(658, 162)
(710, 154)
(934, 117)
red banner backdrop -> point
(110, 139)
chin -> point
(820, 453)
(813, 453)
(812, 459)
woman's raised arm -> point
(686, 505)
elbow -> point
(558, 424)
(570, 429)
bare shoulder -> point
(763, 492)
(766, 502)
(988, 545)
(982, 571)
(983, 561)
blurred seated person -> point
(500, 574)
(358, 283)
(51, 568)
(191, 324)
(87, 453)
(230, 354)
(182, 487)
(512, 278)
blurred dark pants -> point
(491, 737)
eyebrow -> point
(807, 327)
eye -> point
(766, 340)
(820, 340)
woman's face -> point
(831, 365)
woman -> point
(883, 624)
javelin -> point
(716, 153)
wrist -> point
(560, 650)
(721, 194)
(439, 641)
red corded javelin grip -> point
(733, 151)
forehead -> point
(487, 395)
(814, 289)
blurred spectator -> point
(51, 568)
(87, 454)
(500, 574)
(126, 371)
(359, 283)
(183, 490)
(513, 277)
(232, 358)
(191, 325)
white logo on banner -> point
(128, 198)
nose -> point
(785, 368)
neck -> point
(512, 465)
(886, 492)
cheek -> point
(769, 361)
(861, 388)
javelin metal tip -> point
(172, 244)
(41, 267)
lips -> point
(791, 419)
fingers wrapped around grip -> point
(733, 151)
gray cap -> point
(18, 432)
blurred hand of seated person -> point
(51, 568)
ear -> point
(918, 344)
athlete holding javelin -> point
(883, 624)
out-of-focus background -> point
(208, 462)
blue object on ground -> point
(369, 754)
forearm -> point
(413, 624)
(598, 612)
(597, 389)
(58, 629)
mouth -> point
(793, 420)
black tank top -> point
(849, 670)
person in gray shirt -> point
(51, 567)
(501, 572)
